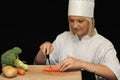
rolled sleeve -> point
(111, 61)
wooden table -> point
(35, 72)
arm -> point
(40, 58)
(71, 63)
(98, 69)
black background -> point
(28, 24)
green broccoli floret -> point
(11, 57)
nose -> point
(75, 24)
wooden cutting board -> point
(35, 72)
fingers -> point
(65, 64)
(69, 63)
(46, 48)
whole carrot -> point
(20, 71)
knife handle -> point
(47, 55)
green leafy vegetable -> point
(11, 57)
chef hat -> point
(81, 8)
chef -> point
(82, 47)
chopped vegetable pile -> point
(51, 69)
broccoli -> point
(11, 57)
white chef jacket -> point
(96, 49)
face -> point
(78, 25)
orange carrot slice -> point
(51, 69)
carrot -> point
(51, 69)
(20, 71)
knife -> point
(47, 56)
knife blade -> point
(48, 57)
